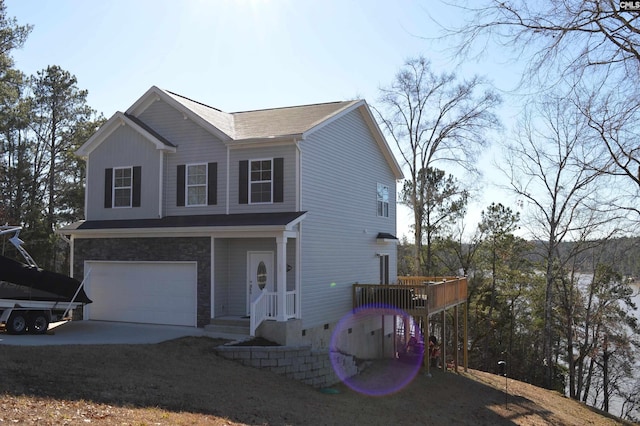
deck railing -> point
(418, 296)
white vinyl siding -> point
(290, 187)
(125, 147)
(195, 146)
(338, 242)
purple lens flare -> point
(384, 376)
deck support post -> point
(425, 357)
(465, 351)
(443, 343)
(456, 338)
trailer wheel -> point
(38, 323)
(17, 323)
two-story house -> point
(194, 214)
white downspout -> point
(298, 176)
(71, 256)
(161, 186)
(227, 183)
(298, 273)
(213, 279)
(86, 186)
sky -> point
(239, 55)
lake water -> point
(615, 405)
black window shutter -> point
(108, 182)
(137, 185)
(278, 180)
(180, 185)
(212, 184)
(243, 182)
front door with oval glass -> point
(259, 275)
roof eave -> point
(267, 139)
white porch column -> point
(281, 282)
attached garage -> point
(142, 292)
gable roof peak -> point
(194, 101)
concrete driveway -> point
(103, 332)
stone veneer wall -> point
(189, 249)
(295, 362)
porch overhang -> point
(192, 224)
(385, 237)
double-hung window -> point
(383, 200)
(260, 181)
(122, 186)
(197, 185)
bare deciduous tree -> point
(435, 118)
(546, 168)
(592, 44)
(614, 118)
(584, 38)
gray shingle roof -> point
(221, 120)
(285, 121)
(265, 123)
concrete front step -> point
(228, 325)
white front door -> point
(259, 275)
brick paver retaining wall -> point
(299, 363)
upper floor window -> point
(197, 185)
(260, 181)
(122, 186)
(383, 200)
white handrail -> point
(257, 314)
(263, 308)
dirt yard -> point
(183, 382)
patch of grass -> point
(184, 382)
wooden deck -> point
(422, 297)
(417, 296)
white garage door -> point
(146, 292)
